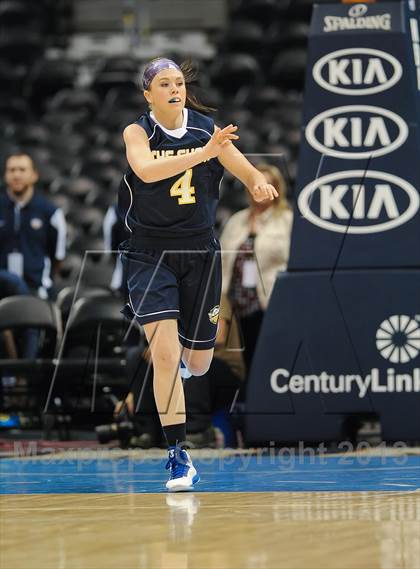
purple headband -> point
(153, 68)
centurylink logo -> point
(358, 202)
(356, 132)
(357, 71)
(398, 339)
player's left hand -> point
(264, 192)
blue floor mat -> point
(243, 473)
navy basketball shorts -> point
(182, 284)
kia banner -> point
(340, 340)
(359, 170)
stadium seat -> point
(87, 218)
(263, 11)
(128, 98)
(282, 35)
(83, 243)
(234, 72)
(80, 187)
(19, 13)
(34, 135)
(244, 37)
(249, 142)
(288, 68)
(72, 143)
(67, 297)
(21, 312)
(48, 172)
(11, 77)
(270, 131)
(47, 77)
(97, 273)
(74, 100)
(96, 319)
(16, 109)
(70, 267)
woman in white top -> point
(255, 244)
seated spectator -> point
(32, 229)
(114, 233)
(255, 247)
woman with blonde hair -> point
(255, 244)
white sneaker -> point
(184, 371)
(183, 475)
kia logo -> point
(357, 71)
(368, 134)
(358, 10)
(372, 201)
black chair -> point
(70, 267)
(288, 69)
(60, 200)
(129, 98)
(48, 172)
(80, 188)
(74, 100)
(87, 218)
(270, 130)
(96, 325)
(21, 46)
(70, 143)
(11, 78)
(259, 101)
(16, 109)
(98, 270)
(25, 311)
(34, 135)
(263, 11)
(47, 77)
(244, 37)
(69, 295)
(249, 142)
(235, 72)
(106, 80)
(15, 13)
(64, 120)
(94, 246)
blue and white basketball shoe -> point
(184, 371)
(182, 474)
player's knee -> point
(199, 367)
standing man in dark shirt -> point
(32, 229)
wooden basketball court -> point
(121, 517)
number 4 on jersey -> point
(183, 190)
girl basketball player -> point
(167, 198)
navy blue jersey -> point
(183, 205)
(37, 230)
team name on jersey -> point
(178, 152)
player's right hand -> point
(220, 138)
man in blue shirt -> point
(32, 229)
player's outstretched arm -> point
(240, 167)
(149, 170)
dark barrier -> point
(341, 335)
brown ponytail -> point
(190, 75)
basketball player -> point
(168, 198)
